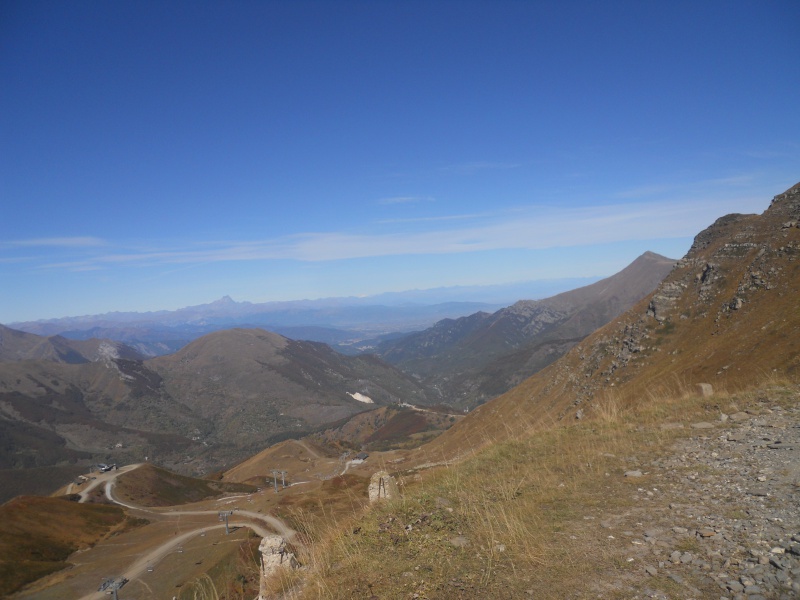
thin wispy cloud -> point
(405, 200)
(85, 268)
(62, 242)
(737, 180)
(15, 259)
(471, 167)
(785, 149)
(523, 228)
(684, 188)
(432, 219)
(643, 191)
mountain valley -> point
(229, 393)
(212, 403)
(657, 457)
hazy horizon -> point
(491, 294)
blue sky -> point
(155, 155)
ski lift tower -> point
(275, 473)
(223, 516)
(113, 584)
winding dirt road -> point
(101, 478)
(261, 524)
(273, 522)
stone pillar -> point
(382, 486)
(274, 556)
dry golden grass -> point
(514, 518)
(38, 534)
(149, 485)
(235, 577)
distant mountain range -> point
(723, 320)
(472, 359)
(336, 321)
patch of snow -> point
(361, 397)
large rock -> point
(382, 486)
(274, 556)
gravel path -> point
(718, 518)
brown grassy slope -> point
(291, 455)
(523, 517)
(529, 517)
(152, 486)
(38, 534)
(387, 427)
(728, 315)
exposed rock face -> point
(382, 486)
(662, 302)
(274, 556)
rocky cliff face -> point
(275, 556)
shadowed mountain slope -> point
(18, 345)
(475, 358)
(255, 384)
(727, 315)
(37, 536)
(219, 399)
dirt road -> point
(307, 448)
(261, 524)
(272, 523)
(101, 478)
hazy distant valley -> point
(352, 300)
(351, 324)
